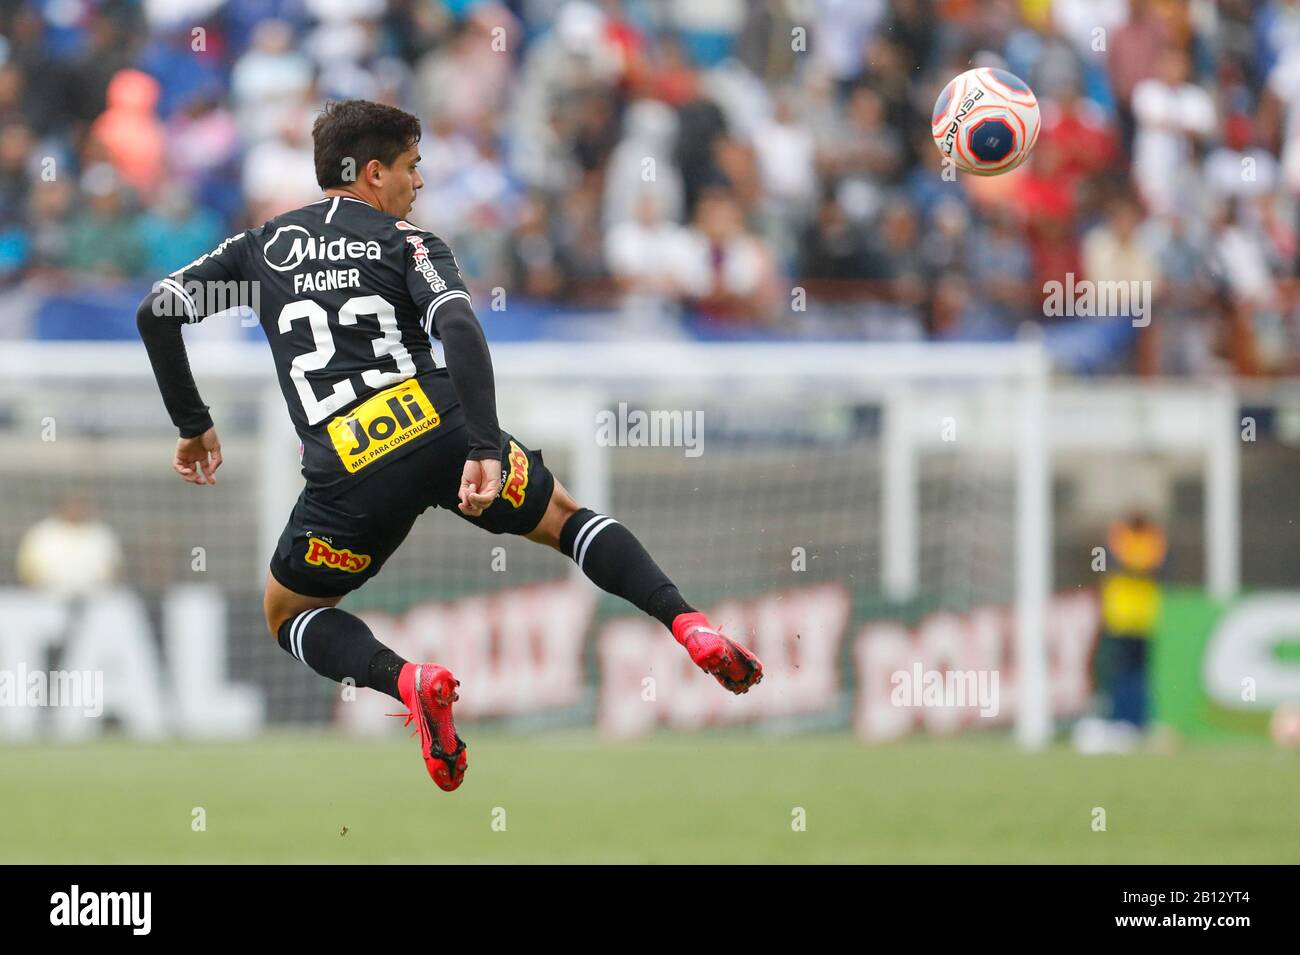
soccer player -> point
(349, 292)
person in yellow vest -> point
(1130, 607)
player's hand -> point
(197, 459)
(480, 483)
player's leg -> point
(331, 545)
(333, 642)
(616, 561)
(535, 505)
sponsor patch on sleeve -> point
(423, 265)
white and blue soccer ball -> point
(986, 121)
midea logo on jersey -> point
(293, 244)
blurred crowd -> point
(660, 165)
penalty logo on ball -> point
(986, 121)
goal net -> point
(871, 519)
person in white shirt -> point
(648, 258)
(68, 553)
(1171, 114)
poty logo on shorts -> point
(517, 482)
(293, 244)
(323, 555)
(103, 908)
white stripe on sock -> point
(297, 630)
(582, 554)
(293, 634)
(582, 531)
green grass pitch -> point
(576, 798)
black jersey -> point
(348, 297)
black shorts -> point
(337, 538)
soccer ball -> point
(1284, 727)
(986, 121)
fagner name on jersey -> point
(326, 280)
(292, 245)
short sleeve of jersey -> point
(213, 282)
(432, 276)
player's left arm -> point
(434, 280)
(179, 299)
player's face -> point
(400, 182)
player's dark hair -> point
(349, 133)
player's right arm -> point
(185, 297)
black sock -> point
(340, 646)
(609, 554)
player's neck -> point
(350, 194)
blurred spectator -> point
(1130, 600)
(785, 159)
(15, 175)
(1002, 269)
(893, 255)
(1130, 609)
(174, 231)
(43, 551)
(842, 32)
(269, 82)
(581, 242)
(1237, 168)
(279, 172)
(108, 49)
(1135, 49)
(643, 159)
(533, 263)
(1173, 115)
(729, 272)
(648, 257)
(1081, 131)
(1241, 260)
(1046, 200)
(105, 238)
(832, 247)
(864, 144)
(130, 131)
(469, 76)
(50, 226)
(1117, 251)
(203, 139)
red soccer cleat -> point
(731, 664)
(428, 691)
